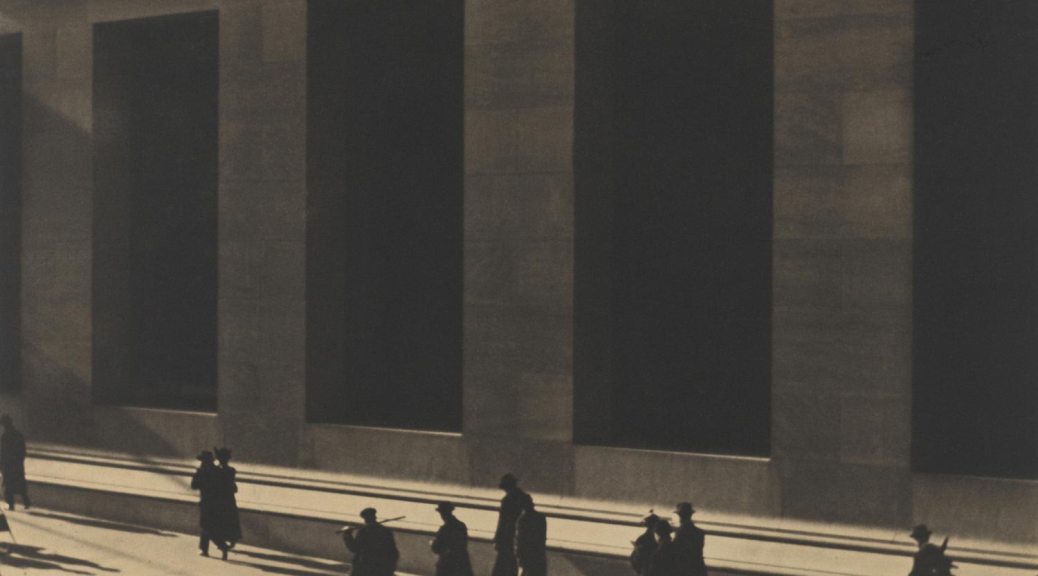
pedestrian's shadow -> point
(106, 524)
(34, 557)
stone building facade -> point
(839, 461)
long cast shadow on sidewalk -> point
(328, 571)
(106, 524)
(337, 568)
(33, 557)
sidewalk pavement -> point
(55, 543)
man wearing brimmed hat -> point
(929, 560)
(504, 538)
(451, 544)
(689, 542)
(12, 463)
(206, 482)
(645, 545)
(373, 546)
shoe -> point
(203, 553)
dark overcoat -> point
(451, 545)
(530, 543)
(206, 482)
(688, 542)
(644, 548)
(374, 550)
(228, 524)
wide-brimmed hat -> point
(684, 509)
(921, 532)
(445, 507)
(508, 481)
(368, 513)
(650, 520)
(205, 456)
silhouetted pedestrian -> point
(228, 527)
(12, 463)
(504, 538)
(664, 560)
(930, 560)
(689, 542)
(531, 535)
(206, 482)
(645, 545)
(451, 544)
(373, 546)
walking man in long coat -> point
(373, 546)
(689, 542)
(504, 537)
(12, 463)
(206, 482)
(531, 534)
(451, 544)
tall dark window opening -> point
(10, 211)
(384, 230)
(674, 224)
(975, 309)
(155, 184)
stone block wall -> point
(842, 245)
(841, 382)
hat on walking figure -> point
(205, 456)
(684, 509)
(445, 507)
(508, 481)
(921, 533)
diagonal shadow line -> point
(106, 524)
(285, 571)
(94, 545)
(37, 553)
(304, 562)
(33, 564)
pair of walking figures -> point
(218, 507)
(665, 551)
(375, 552)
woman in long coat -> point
(228, 524)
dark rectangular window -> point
(10, 211)
(384, 229)
(674, 224)
(975, 384)
(155, 205)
